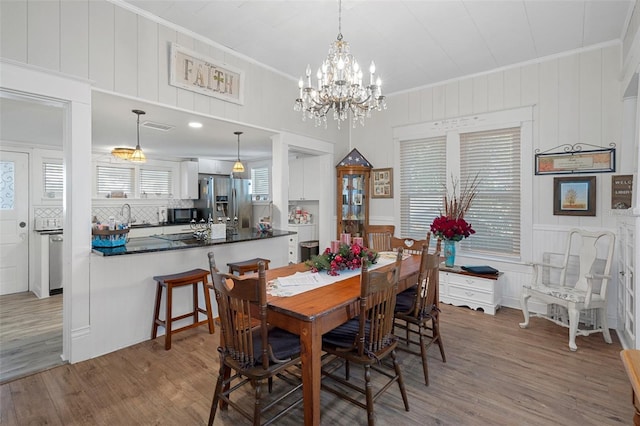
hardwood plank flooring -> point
(496, 373)
(30, 334)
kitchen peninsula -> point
(123, 289)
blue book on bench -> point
(482, 269)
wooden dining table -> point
(315, 312)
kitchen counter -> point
(168, 242)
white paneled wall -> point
(128, 54)
(576, 99)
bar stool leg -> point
(196, 300)
(167, 322)
(156, 315)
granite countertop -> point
(167, 242)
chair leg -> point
(257, 408)
(423, 353)
(574, 318)
(524, 304)
(605, 326)
(368, 387)
(398, 371)
(436, 334)
(216, 396)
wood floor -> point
(30, 334)
(496, 373)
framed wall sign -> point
(382, 183)
(621, 191)
(574, 196)
(192, 71)
(573, 160)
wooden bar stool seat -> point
(192, 278)
(245, 266)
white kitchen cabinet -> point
(214, 167)
(305, 232)
(460, 288)
(189, 180)
(303, 179)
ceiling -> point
(414, 44)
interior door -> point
(14, 223)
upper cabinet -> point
(189, 180)
(353, 194)
(303, 183)
(214, 167)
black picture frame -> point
(574, 196)
(573, 162)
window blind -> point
(422, 176)
(53, 181)
(260, 181)
(114, 179)
(154, 181)
(495, 212)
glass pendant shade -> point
(122, 153)
(238, 167)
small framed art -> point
(382, 183)
(574, 196)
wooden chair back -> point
(409, 245)
(237, 301)
(426, 300)
(377, 303)
(378, 237)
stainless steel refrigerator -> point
(225, 197)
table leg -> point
(311, 351)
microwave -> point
(184, 215)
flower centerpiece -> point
(348, 256)
(450, 226)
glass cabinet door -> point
(353, 206)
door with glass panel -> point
(14, 222)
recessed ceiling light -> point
(195, 124)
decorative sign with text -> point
(621, 191)
(192, 71)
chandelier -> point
(339, 87)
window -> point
(7, 191)
(422, 174)
(155, 182)
(53, 180)
(261, 187)
(491, 152)
(115, 179)
(495, 213)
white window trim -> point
(517, 117)
(173, 166)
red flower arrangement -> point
(348, 257)
(451, 229)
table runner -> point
(305, 281)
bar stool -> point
(245, 266)
(192, 278)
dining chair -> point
(417, 311)
(574, 287)
(379, 237)
(367, 340)
(256, 353)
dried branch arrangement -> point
(457, 202)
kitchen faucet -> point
(128, 212)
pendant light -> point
(137, 156)
(238, 167)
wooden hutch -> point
(352, 202)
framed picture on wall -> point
(382, 183)
(574, 196)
